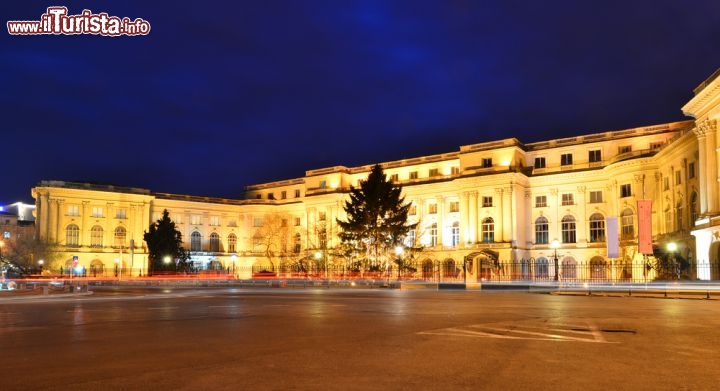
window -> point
(214, 242)
(540, 201)
(487, 202)
(568, 199)
(413, 175)
(257, 222)
(656, 145)
(597, 228)
(6, 234)
(487, 162)
(215, 221)
(283, 194)
(119, 237)
(283, 222)
(454, 170)
(271, 196)
(541, 231)
(232, 223)
(488, 230)
(454, 206)
(121, 213)
(297, 241)
(668, 220)
(73, 210)
(694, 211)
(321, 216)
(322, 238)
(297, 221)
(432, 209)
(625, 190)
(666, 183)
(539, 162)
(410, 239)
(679, 215)
(97, 211)
(691, 170)
(626, 223)
(297, 193)
(678, 177)
(258, 196)
(594, 156)
(195, 241)
(596, 196)
(394, 178)
(232, 243)
(96, 236)
(455, 234)
(433, 172)
(566, 159)
(624, 149)
(413, 210)
(568, 229)
(323, 184)
(433, 235)
(195, 220)
(72, 235)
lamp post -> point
(399, 251)
(555, 244)
(318, 257)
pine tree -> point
(163, 240)
(376, 219)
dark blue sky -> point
(220, 95)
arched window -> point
(488, 230)
(597, 228)
(72, 235)
(96, 236)
(119, 237)
(542, 235)
(541, 268)
(232, 243)
(569, 268)
(455, 234)
(195, 241)
(214, 242)
(694, 210)
(568, 229)
(626, 222)
(597, 268)
(433, 235)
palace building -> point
(502, 209)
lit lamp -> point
(41, 263)
(399, 251)
(555, 244)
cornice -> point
(699, 104)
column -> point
(441, 219)
(84, 229)
(473, 226)
(582, 236)
(52, 220)
(58, 220)
(464, 226)
(507, 217)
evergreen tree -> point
(376, 219)
(163, 240)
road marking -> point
(543, 332)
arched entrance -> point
(97, 268)
(427, 270)
(598, 268)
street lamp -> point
(555, 244)
(41, 263)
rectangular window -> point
(321, 216)
(215, 220)
(596, 197)
(271, 196)
(413, 175)
(323, 184)
(433, 172)
(487, 202)
(97, 211)
(568, 199)
(454, 170)
(121, 213)
(691, 170)
(412, 211)
(625, 190)
(257, 222)
(540, 201)
(283, 194)
(283, 223)
(195, 219)
(656, 145)
(678, 177)
(487, 162)
(394, 177)
(666, 183)
(594, 156)
(297, 193)
(566, 159)
(297, 221)
(625, 149)
(539, 162)
(454, 206)
(432, 209)
(73, 210)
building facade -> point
(494, 210)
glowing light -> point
(672, 247)
(166, 259)
(399, 250)
(555, 244)
(318, 255)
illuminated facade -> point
(494, 207)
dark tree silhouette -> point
(163, 240)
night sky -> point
(221, 95)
